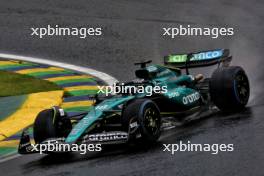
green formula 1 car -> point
(142, 116)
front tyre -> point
(141, 118)
(229, 88)
(50, 123)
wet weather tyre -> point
(145, 113)
(229, 88)
(50, 124)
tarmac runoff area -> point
(19, 112)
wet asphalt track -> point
(133, 31)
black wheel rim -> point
(241, 86)
(152, 120)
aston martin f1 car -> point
(132, 117)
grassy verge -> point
(17, 84)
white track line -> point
(103, 76)
(10, 157)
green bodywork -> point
(177, 93)
(97, 113)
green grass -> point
(17, 84)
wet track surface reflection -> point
(133, 31)
(241, 129)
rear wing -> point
(199, 59)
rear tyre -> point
(229, 88)
(141, 118)
(50, 123)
